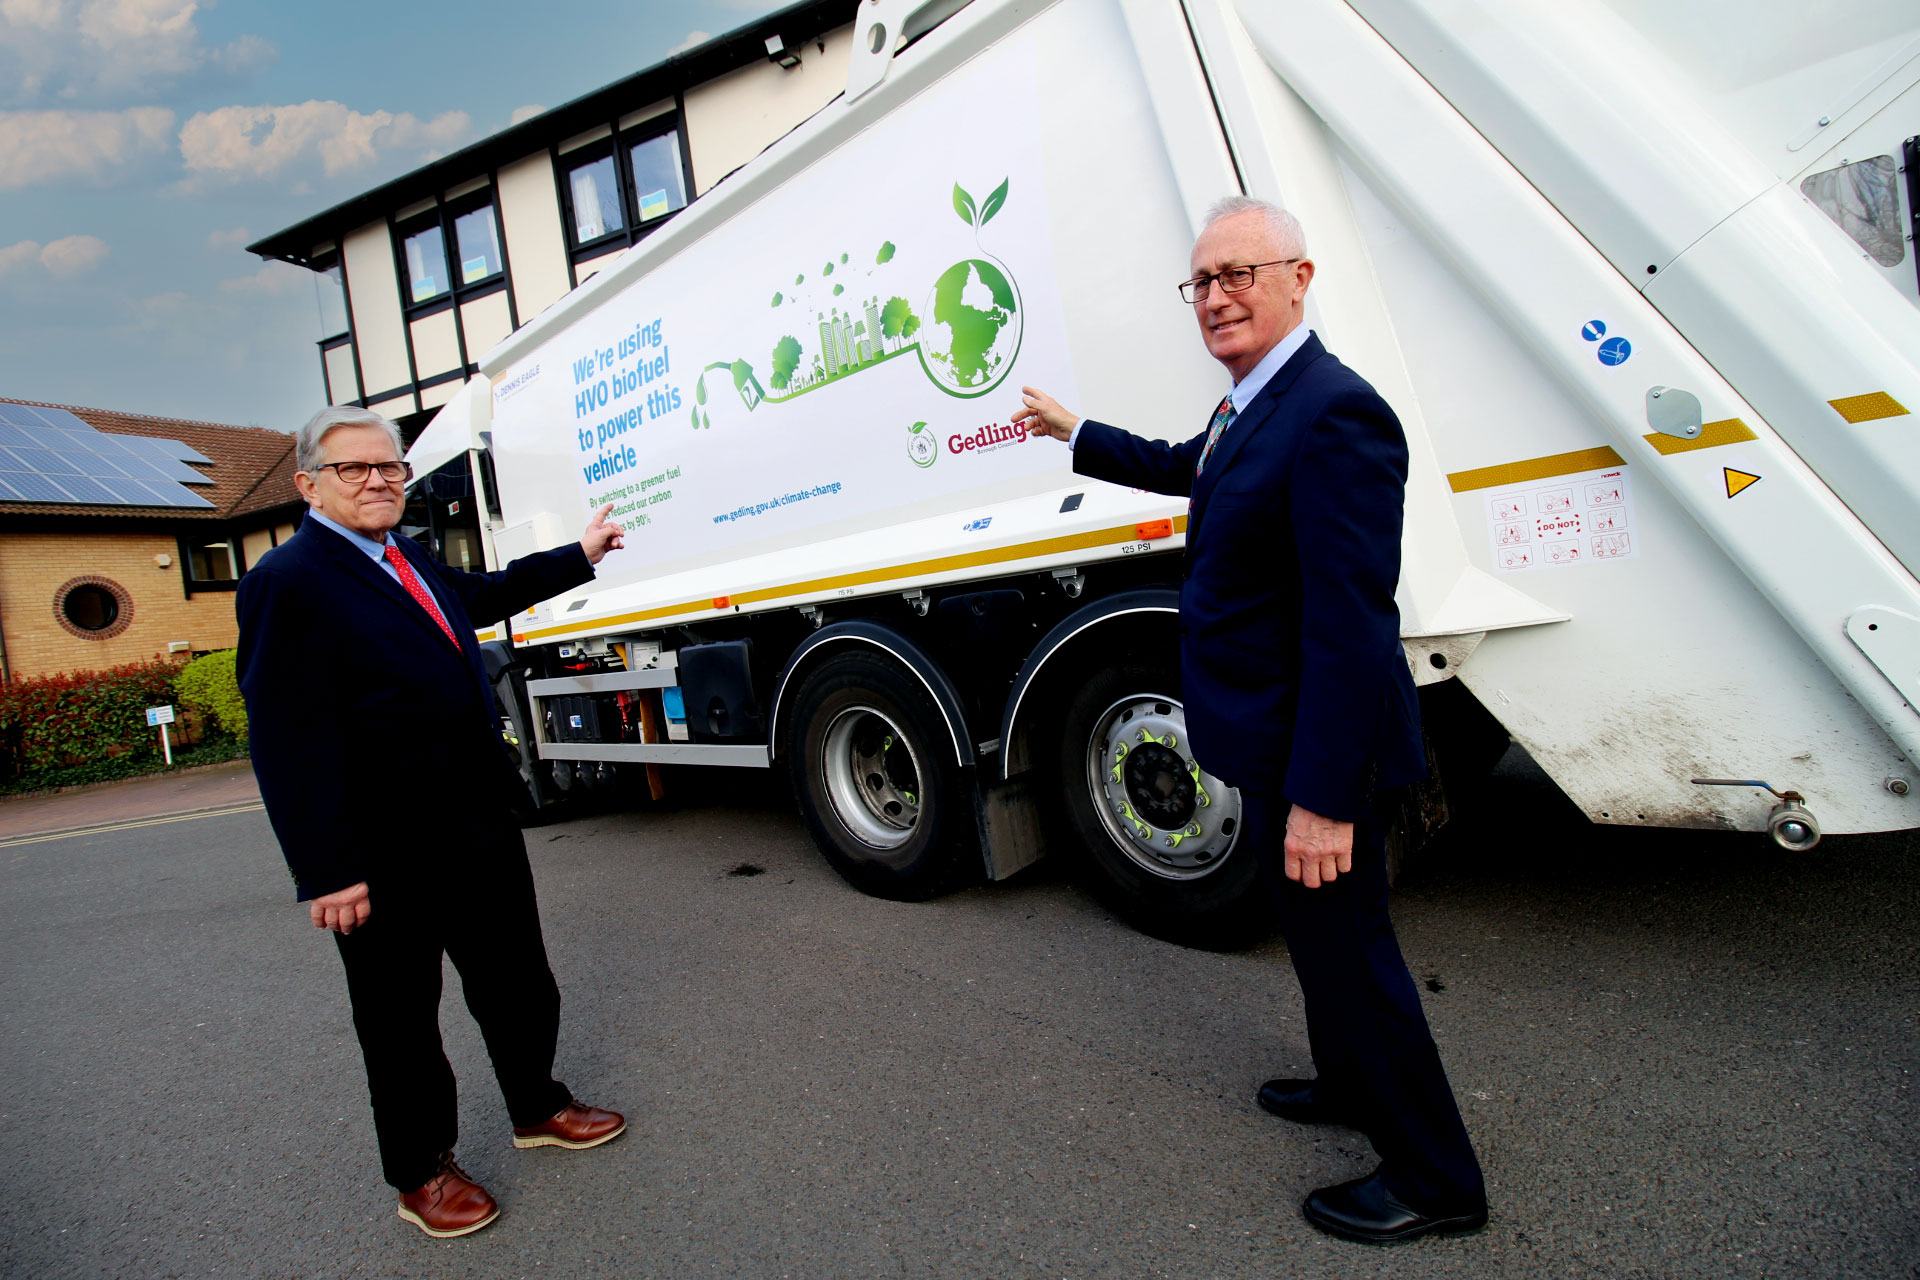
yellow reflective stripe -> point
(1712, 435)
(1867, 408)
(489, 634)
(915, 568)
(1554, 464)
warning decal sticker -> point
(1568, 520)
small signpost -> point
(162, 717)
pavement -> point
(218, 786)
(1679, 1054)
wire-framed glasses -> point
(1232, 280)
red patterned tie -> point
(411, 581)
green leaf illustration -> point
(827, 270)
(963, 205)
(994, 201)
(886, 252)
(777, 298)
(801, 278)
(843, 259)
(839, 289)
(700, 392)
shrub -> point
(84, 717)
(208, 686)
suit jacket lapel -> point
(362, 566)
(1243, 427)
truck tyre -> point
(874, 773)
(1158, 837)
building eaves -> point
(744, 46)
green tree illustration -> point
(897, 319)
(786, 358)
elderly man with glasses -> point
(378, 749)
(1298, 693)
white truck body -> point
(1527, 220)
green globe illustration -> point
(973, 329)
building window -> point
(209, 564)
(424, 249)
(92, 607)
(332, 290)
(596, 200)
(478, 241)
(659, 183)
(466, 228)
(617, 191)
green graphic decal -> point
(966, 344)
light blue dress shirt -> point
(376, 551)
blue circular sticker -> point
(1615, 351)
(1594, 330)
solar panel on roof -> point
(85, 490)
(44, 461)
(62, 418)
(35, 488)
(133, 493)
(52, 455)
(174, 495)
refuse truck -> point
(1638, 280)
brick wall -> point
(33, 566)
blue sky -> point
(145, 143)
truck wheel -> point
(1160, 835)
(874, 774)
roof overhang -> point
(794, 26)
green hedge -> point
(91, 726)
(207, 685)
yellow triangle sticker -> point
(1738, 481)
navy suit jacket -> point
(375, 740)
(1290, 661)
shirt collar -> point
(1250, 386)
(374, 550)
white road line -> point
(128, 826)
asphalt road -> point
(1679, 1054)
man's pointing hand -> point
(602, 536)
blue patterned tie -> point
(1215, 429)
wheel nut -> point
(1899, 786)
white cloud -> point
(48, 146)
(693, 38)
(265, 142)
(270, 280)
(527, 112)
(102, 49)
(67, 256)
(232, 238)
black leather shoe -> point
(1366, 1211)
(1300, 1102)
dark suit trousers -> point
(480, 912)
(1372, 1051)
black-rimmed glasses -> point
(357, 472)
(1232, 280)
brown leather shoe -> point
(450, 1203)
(576, 1128)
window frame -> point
(445, 214)
(186, 544)
(618, 145)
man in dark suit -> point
(377, 746)
(1298, 693)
